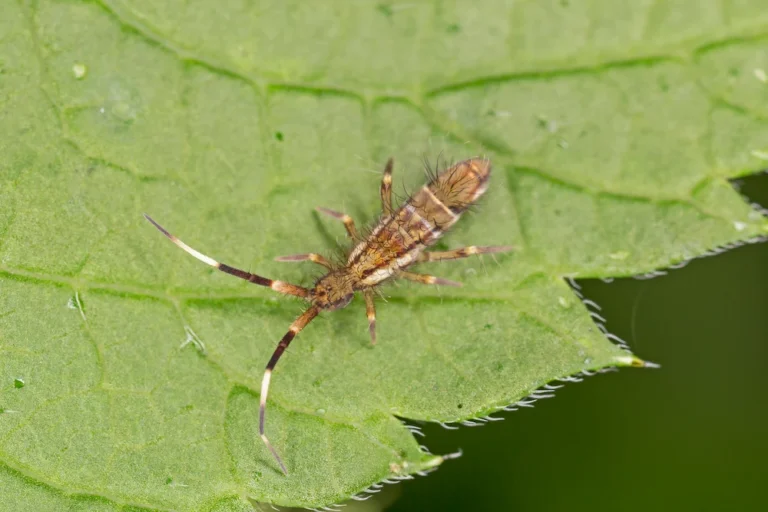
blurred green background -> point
(690, 436)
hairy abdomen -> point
(397, 240)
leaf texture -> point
(129, 372)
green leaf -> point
(129, 372)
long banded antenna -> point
(293, 330)
(278, 286)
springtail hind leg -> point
(349, 223)
(464, 252)
(313, 257)
(370, 311)
(386, 189)
(426, 279)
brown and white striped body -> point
(400, 237)
(398, 241)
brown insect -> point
(394, 244)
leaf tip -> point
(426, 465)
(635, 361)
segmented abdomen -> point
(397, 240)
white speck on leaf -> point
(760, 75)
(79, 70)
(74, 303)
(193, 339)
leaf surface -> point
(129, 372)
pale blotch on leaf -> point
(125, 102)
(124, 111)
(79, 70)
(739, 226)
(564, 302)
(762, 155)
(760, 75)
(619, 255)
